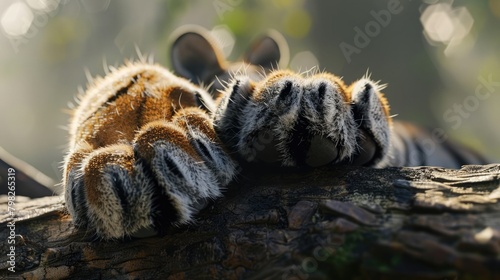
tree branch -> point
(347, 222)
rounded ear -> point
(194, 56)
(269, 51)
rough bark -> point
(342, 223)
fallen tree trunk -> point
(346, 223)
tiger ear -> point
(269, 51)
(195, 56)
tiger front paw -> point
(142, 155)
(305, 121)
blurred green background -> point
(434, 55)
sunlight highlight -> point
(17, 19)
(444, 24)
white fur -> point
(142, 205)
(287, 117)
(337, 125)
(197, 181)
(222, 166)
(374, 117)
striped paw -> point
(169, 173)
(102, 192)
(304, 121)
(143, 154)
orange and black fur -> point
(148, 149)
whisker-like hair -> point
(309, 72)
(179, 100)
(105, 65)
(367, 75)
(70, 105)
(88, 75)
(79, 94)
(220, 82)
(274, 66)
(141, 56)
(262, 73)
(380, 87)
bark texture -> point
(342, 223)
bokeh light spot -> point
(447, 25)
(438, 26)
(17, 19)
(304, 61)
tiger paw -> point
(142, 156)
(305, 121)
